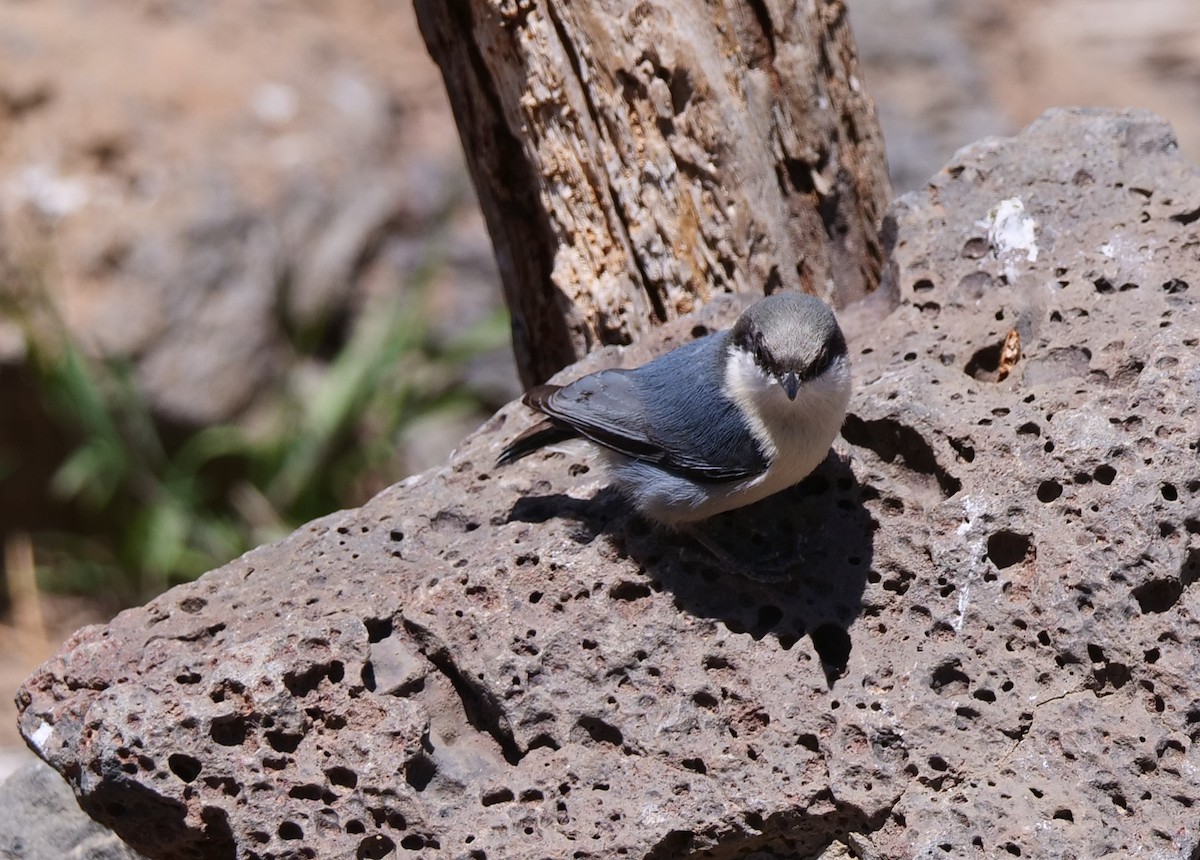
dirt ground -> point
(127, 127)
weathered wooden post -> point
(634, 157)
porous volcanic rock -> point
(990, 647)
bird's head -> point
(792, 339)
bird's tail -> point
(537, 436)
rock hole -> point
(715, 661)
(695, 764)
(984, 365)
(343, 777)
(497, 796)
(900, 582)
(704, 699)
(809, 742)
(1013, 848)
(308, 791)
(228, 731)
(184, 766)
(419, 771)
(1189, 571)
(974, 248)
(192, 605)
(290, 830)
(1185, 218)
(600, 731)
(939, 764)
(628, 590)
(378, 629)
(284, 742)
(1105, 474)
(1006, 548)
(832, 644)
(1048, 491)
(300, 684)
(375, 847)
(412, 842)
(984, 695)
(1116, 674)
(1158, 595)
(1169, 492)
(948, 679)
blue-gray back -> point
(671, 412)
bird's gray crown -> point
(790, 333)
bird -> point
(715, 424)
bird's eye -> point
(762, 355)
(820, 363)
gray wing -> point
(671, 412)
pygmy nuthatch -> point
(715, 424)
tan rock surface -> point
(992, 647)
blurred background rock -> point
(243, 280)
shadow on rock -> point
(806, 552)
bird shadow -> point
(820, 529)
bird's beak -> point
(791, 384)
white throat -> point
(794, 435)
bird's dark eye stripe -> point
(750, 339)
(836, 347)
(764, 357)
(817, 366)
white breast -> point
(795, 435)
